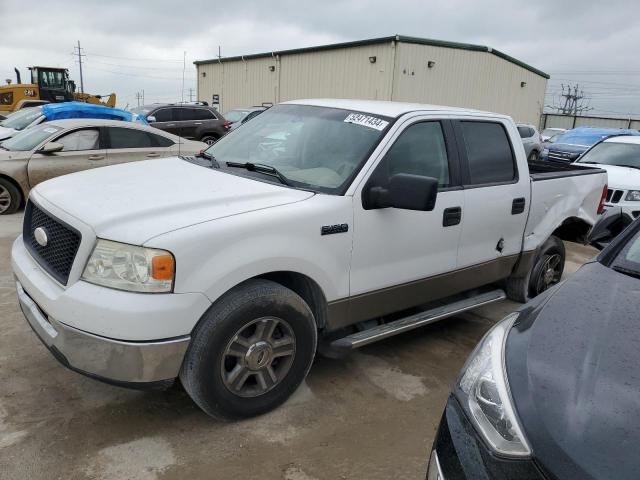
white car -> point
(620, 157)
(229, 271)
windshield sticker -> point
(49, 130)
(366, 121)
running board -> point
(405, 324)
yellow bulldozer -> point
(48, 85)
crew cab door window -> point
(490, 157)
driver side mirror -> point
(405, 191)
(151, 119)
(51, 147)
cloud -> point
(575, 41)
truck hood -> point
(572, 365)
(135, 202)
(6, 132)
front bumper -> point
(463, 454)
(103, 358)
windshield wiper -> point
(261, 168)
(626, 271)
(208, 156)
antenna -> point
(184, 66)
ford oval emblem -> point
(40, 234)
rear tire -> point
(250, 351)
(209, 139)
(10, 197)
(546, 271)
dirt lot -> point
(371, 416)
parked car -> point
(240, 116)
(29, 117)
(531, 140)
(570, 145)
(192, 121)
(620, 157)
(65, 146)
(552, 390)
(229, 269)
(547, 133)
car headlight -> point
(545, 152)
(485, 394)
(128, 267)
(633, 196)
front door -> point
(395, 251)
(82, 150)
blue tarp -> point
(59, 111)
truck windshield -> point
(22, 119)
(612, 153)
(29, 139)
(316, 148)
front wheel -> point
(250, 351)
(533, 156)
(10, 197)
(546, 271)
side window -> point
(202, 114)
(185, 114)
(128, 138)
(88, 139)
(524, 132)
(160, 141)
(420, 150)
(163, 115)
(489, 152)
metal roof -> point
(375, 41)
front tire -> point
(10, 197)
(533, 156)
(546, 271)
(250, 351)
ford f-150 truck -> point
(320, 225)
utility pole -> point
(80, 55)
(573, 104)
(191, 94)
(139, 97)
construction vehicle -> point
(48, 85)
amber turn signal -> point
(162, 267)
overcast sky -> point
(136, 45)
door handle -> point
(96, 157)
(197, 123)
(518, 205)
(153, 155)
(451, 216)
(171, 124)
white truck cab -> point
(320, 223)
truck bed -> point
(539, 170)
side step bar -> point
(405, 324)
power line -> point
(137, 58)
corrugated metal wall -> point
(464, 78)
(460, 78)
(566, 121)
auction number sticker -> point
(366, 121)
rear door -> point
(496, 194)
(83, 149)
(131, 145)
(166, 119)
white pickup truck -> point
(320, 224)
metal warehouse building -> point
(390, 68)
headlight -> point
(485, 393)
(545, 152)
(132, 268)
(633, 196)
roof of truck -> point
(624, 139)
(387, 109)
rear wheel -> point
(546, 271)
(250, 351)
(10, 197)
(209, 139)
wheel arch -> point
(572, 229)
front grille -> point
(62, 244)
(614, 196)
(558, 157)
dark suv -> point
(196, 121)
